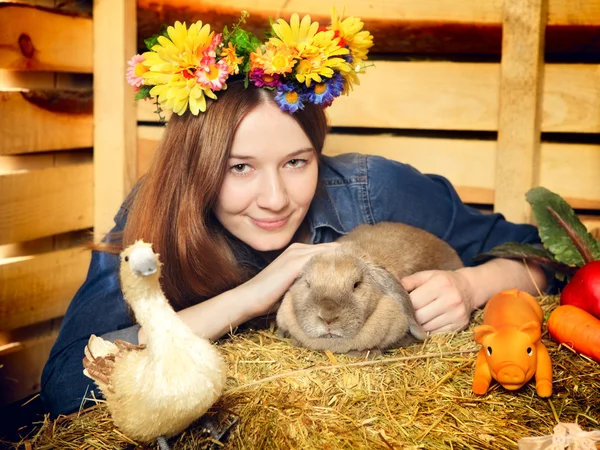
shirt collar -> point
(323, 214)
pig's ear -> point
(533, 330)
(482, 331)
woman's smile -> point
(270, 224)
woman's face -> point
(270, 181)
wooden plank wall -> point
(497, 96)
(46, 180)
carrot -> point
(576, 328)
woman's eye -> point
(296, 162)
(239, 168)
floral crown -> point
(300, 60)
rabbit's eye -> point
(489, 350)
(126, 258)
(357, 284)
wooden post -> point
(115, 119)
(520, 106)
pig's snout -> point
(511, 375)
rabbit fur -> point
(349, 299)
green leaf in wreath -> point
(153, 40)
(143, 93)
(560, 229)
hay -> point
(418, 397)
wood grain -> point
(21, 367)
(45, 202)
(35, 38)
(114, 109)
(436, 27)
(39, 287)
(36, 121)
(520, 108)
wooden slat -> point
(456, 96)
(399, 26)
(569, 169)
(37, 121)
(114, 107)
(21, 368)
(520, 108)
(44, 245)
(17, 80)
(470, 11)
(44, 160)
(572, 171)
(34, 38)
(592, 223)
(38, 288)
(44, 202)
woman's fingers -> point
(440, 299)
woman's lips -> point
(270, 224)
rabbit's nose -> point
(328, 318)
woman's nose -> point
(272, 192)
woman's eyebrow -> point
(289, 155)
(299, 152)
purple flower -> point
(324, 93)
(261, 79)
(290, 97)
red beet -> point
(583, 290)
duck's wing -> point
(128, 346)
(100, 358)
(99, 361)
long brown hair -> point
(173, 207)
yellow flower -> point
(273, 59)
(321, 58)
(231, 59)
(172, 66)
(350, 79)
(349, 30)
(180, 95)
(295, 35)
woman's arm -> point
(215, 317)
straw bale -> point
(418, 397)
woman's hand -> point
(267, 287)
(443, 300)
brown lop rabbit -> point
(349, 299)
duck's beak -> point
(143, 262)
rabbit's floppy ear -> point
(390, 286)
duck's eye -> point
(357, 284)
(529, 350)
(489, 350)
(126, 258)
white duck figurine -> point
(156, 390)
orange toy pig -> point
(512, 350)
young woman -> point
(239, 197)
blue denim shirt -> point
(358, 189)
